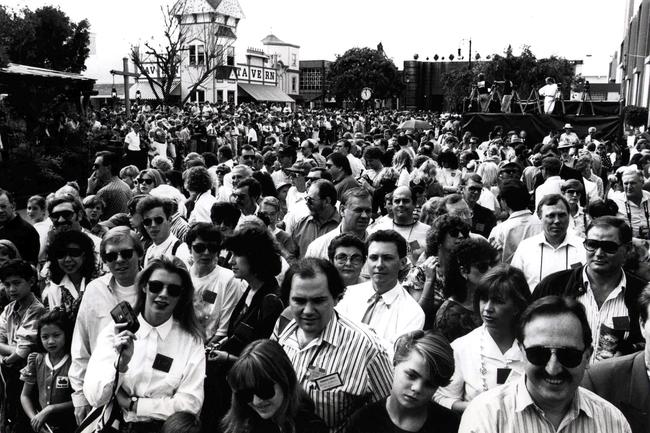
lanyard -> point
(541, 259)
(628, 210)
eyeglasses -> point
(310, 199)
(265, 391)
(355, 259)
(608, 247)
(148, 221)
(112, 256)
(69, 252)
(474, 188)
(97, 166)
(173, 290)
(144, 180)
(200, 248)
(568, 357)
(66, 214)
(454, 232)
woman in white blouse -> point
(489, 355)
(162, 364)
(199, 183)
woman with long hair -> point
(162, 363)
(423, 362)
(469, 261)
(489, 355)
(147, 180)
(403, 164)
(72, 265)
(266, 395)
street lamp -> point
(114, 93)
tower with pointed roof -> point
(285, 59)
(211, 32)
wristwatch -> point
(133, 402)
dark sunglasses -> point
(148, 221)
(568, 357)
(69, 252)
(608, 247)
(112, 256)
(454, 232)
(264, 391)
(200, 248)
(144, 180)
(173, 290)
(66, 214)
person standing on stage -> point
(550, 94)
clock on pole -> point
(366, 93)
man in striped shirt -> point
(341, 365)
(555, 337)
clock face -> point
(366, 93)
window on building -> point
(230, 56)
(198, 96)
(311, 79)
(219, 96)
(197, 54)
(294, 84)
(294, 60)
(220, 54)
(231, 96)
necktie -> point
(371, 308)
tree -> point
(363, 67)
(44, 38)
(635, 116)
(457, 85)
(167, 53)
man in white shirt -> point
(382, 303)
(156, 216)
(552, 180)
(554, 249)
(550, 93)
(633, 207)
(345, 147)
(568, 136)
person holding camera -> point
(157, 350)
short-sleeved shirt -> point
(18, 325)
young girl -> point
(47, 374)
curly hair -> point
(258, 247)
(439, 229)
(59, 242)
(198, 179)
(468, 252)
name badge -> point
(315, 373)
(502, 375)
(62, 382)
(414, 245)
(621, 323)
(162, 363)
(209, 297)
(328, 382)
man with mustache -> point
(555, 337)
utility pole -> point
(470, 54)
(126, 74)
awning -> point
(147, 93)
(265, 93)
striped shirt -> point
(601, 320)
(116, 195)
(346, 350)
(510, 409)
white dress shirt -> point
(166, 249)
(202, 207)
(319, 246)
(538, 259)
(160, 393)
(468, 381)
(395, 314)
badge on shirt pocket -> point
(502, 375)
(414, 245)
(621, 323)
(62, 382)
(329, 382)
(162, 363)
(209, 297)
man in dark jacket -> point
(608, 293)
(12, 227)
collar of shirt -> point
(167, 243)
(569, 240)
(146, 329)
(388, 297)
(524, 400)
(492, 350)
(330, 335)
(58, 364)
(19, 309)
(336, 217)
(69, 285)
(520, 213)
(618, 290)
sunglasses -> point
(264, 391)
(608, 247)
(200, 248)
(568, 357)
(144, 180)
(69, 252)
(112, 256)
(174, 290)
(454, 232)
(148, 221)
(66, 214)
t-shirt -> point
(374, 418)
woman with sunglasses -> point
(147, 180)
(489, 355)
(267, 397)
(71, 257)
(423, 361)
(468, 262)
(426, 281)
(161, 363)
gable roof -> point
(231, 8)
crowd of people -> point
(254, 269)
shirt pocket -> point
(171, 383)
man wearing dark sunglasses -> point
(608, 292)
(555, 338)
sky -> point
(589, 30)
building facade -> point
(634, 54)
(313, 82)
(285, 58)
(423, 84)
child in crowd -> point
(181, 422)
(18, 329)
(47, 374)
